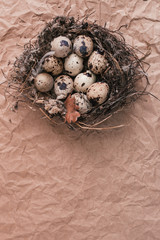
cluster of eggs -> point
(82, 85)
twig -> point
(47, 116)
(96, 124)
(100, 129)
(3, 73)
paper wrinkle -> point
(58, 184)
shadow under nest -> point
(124, 68)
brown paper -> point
(56, 184)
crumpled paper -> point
(58, 184)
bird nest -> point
(122, 71)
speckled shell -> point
(62, 46)
(73, 64)
(82, 102)
(83, 81)
(43, 82)
(63, 86)
(97, 93)
(97, 62)
(53, 64)
(83, 46)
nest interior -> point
(122, 73)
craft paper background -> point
(57, 184)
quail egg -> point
(62, 86)
(53, 64)
(83, 81)
(73, 64)
(82, 102)
(97, 62)
(83, 46)
(43, 82)
(97, 93)
(62, 46)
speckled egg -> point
(62, 46)
(63, 86)
(52, 64)
(83, 81)
(83, 46)
(97, 93)
(43, 82)
(97, 62)
(82, 102)
(73, 64)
